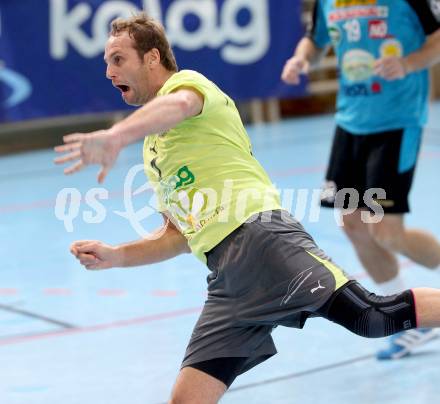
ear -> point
(152, 58)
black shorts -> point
(365, 164)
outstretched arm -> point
(167, 243)
(103, 147)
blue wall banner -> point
(51, 51)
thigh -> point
(270, 272)
(219, 331)
(285, 275)
(391, 226)
(196, 387)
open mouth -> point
(123, 88)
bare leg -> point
(427, 307)
(419, 246)
(380, 263)
(196, 387)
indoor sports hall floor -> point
(117, 337)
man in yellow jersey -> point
(219, 204)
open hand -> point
(100, 147)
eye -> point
(117, 60)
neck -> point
(160, 78)
(163, 76)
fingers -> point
(100, 147)
(78, 166)
(290, 73)
(67, 147)
(73, 250)
(72, 147)
(68, 157)
(95, 267)
(74, 137)
(75, 154)
(91, 262)
(80, 243)
(102, 174)
(88, 248)
(390, 68)
(87, 259)
(290, 77)
(79, 247)
(293, 69)
(95, 249)
(86, 251)
(74, 247)
(378, 66)
(72, 144)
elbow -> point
(178, 239)
(187, 104)
(184, 105)
(186, 249)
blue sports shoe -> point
(403, 343)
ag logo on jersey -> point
(435, 8)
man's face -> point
(127, 70)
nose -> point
(110, 74)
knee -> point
(371, 316)
(355, 230)
(387, 236)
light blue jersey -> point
(362, 31)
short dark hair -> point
(147, 34)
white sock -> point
(393, 286)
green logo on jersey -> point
(169, 185)
(186, 177)
(335, 34)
